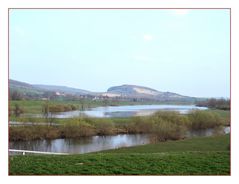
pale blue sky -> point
(182, 51)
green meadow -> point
(197, 156)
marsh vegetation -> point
(164, 125)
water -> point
(83, 145)
(99, 143)
(208, 132)
(127, 111)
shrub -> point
(61, 108)
(17, 110)
(77, 128)
(134, 125)
(141, 125)
(56, 108)
(166, 130)
(169, 125)
(51, 133)
(204, 119)
(19, 133)
(104, 126)
(73, 107)
(164, 125)
(33, 132)
(172, 116)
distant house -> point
(58, 93)
(96, 98)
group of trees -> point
(15, 95)
(48, 110)
(16, 110)
(223, 104)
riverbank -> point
(197, 156)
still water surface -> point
(83, 145)
(127, 111)
(99, 143)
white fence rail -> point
(36, 152)
(16, 123)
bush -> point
(162, 125)
(61, 108)
(104, 127)
(19, 133)
(169, 125)
(77, 128)
(33, 132)
(141, 125)
(56, 108)
(204, 119)
(166, 130)
(171, 116)
(51, 133)
(17, 110)
(73, 107)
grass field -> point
(198, 156)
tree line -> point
(222, 103)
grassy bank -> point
(198, 156)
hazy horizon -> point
(181, 51)
(119, 85)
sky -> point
(182, 51)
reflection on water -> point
(83, 145)
(127, 111)
(98, 143)
(208, 132)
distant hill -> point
(63, 89)
(38, 90)
(24, 88)
(133, 91)
(124, 92)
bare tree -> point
(15, 95)
(47, 114)
(17, 110)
